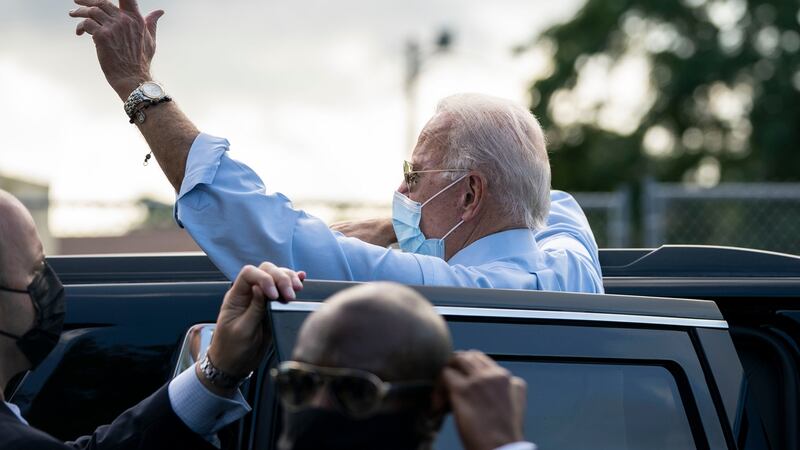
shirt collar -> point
(496, 246)
(15, 410)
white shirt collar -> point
(15, 409)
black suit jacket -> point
(151, 425)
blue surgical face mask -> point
(406, 217)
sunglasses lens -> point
(356, 395)
(297, 387)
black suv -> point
(691, 348)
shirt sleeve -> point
(569, 242)
(225, 207)
(518, 446)
(202, 411)
(227, 210)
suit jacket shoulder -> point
(15, 435)
(151, 425)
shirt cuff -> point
(518, 446)
(202, 164)
(203, 161)
(202, 411)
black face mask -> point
(328, 429)
(47, 294)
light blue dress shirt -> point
(226, 209)
(201, 410)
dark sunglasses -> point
(357, 392)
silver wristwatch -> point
(219, 378)
(147, 94)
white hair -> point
(505, 142)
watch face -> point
(152, 90)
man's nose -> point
(323, 399)
(403, 188)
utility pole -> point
(415, 59)
(413, 65)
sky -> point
(310, 94)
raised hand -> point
(487, 401)
(243, 336)
(125, 40)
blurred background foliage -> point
(695, 91)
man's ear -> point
(474, 196)
(440, 407)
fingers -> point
(297, 283)
(91, 12)
(519, 400)
(453, 379)
(241, 285)
(274, 282)
(88, 26)
(520, 387)
(106, 6)
(341, 226)
(472, 361)
(481, 360)
(131, 6)
(285, 280)
(257, 306)
(151, 21)
(519, 392)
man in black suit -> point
(373, 368)
(184, 414)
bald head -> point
(20, 247)
(384, 328)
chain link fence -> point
(763, 216)
(609, 214)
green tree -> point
(695, 90)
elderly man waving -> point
(475, 208)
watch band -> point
(138, 100)
(219, 378)
(138, 114)
(134, 100)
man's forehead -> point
(427, 155)
(432, 142)
(424, 157)
(23, 251)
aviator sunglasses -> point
(411, 176)
(357, 392)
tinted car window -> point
(580, 406)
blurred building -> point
(36, 197)
(156, 233)
(136, 241)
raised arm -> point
(234, 221)
(126, 43)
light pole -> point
(415, 58)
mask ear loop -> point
(451, 230)
(18, 291)
(9, 335)
(444, 189)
